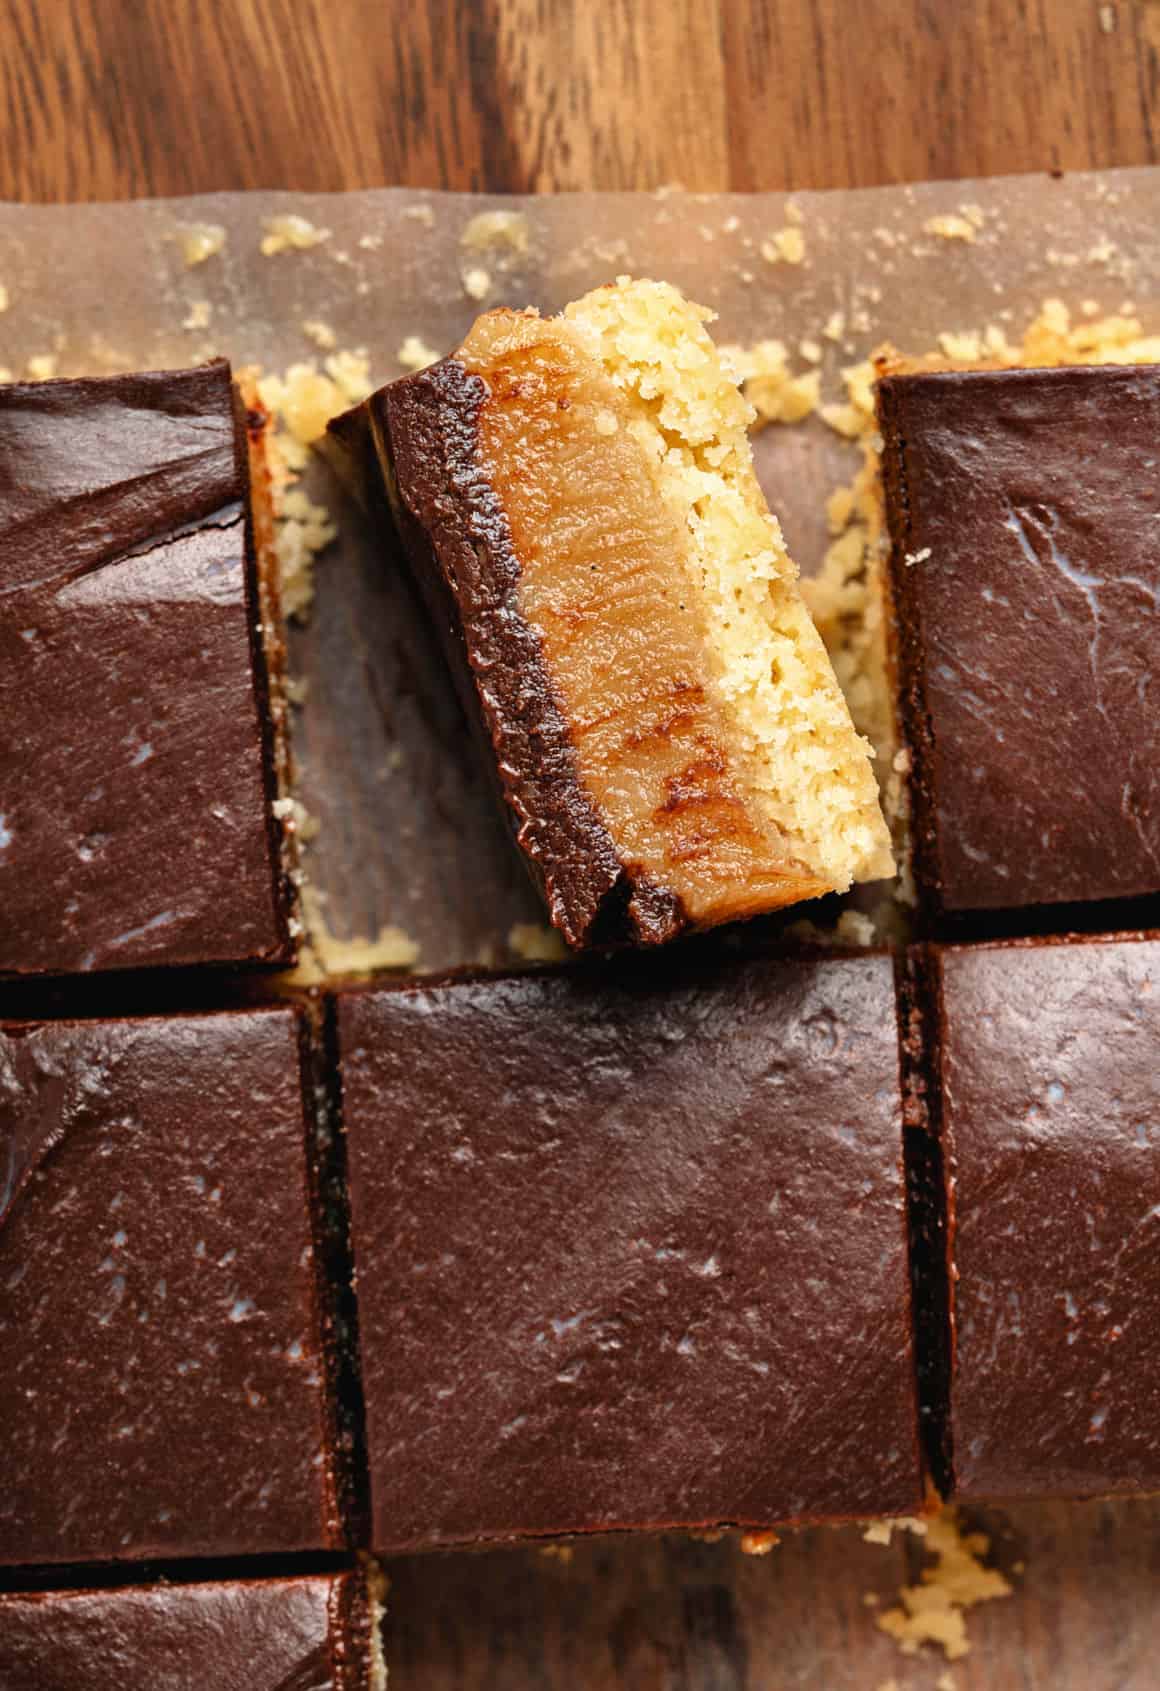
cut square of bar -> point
(1026, 577)
(1049, 1056)
(314, 1633)
(139, 653)
(630, 1253)
(163, 1376)
(577, 500)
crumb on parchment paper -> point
(951, 226)
(934, 1611)
(476, 282)
(415, 354)
(289, 232)
(301, 401)
(536, 943)
(758, 1543)
(785, 246)
(494, 230)
(199, 241)
(3, 297)
(422, 211)
(777, 394)
(198, 316)
(320, 333)
(325, 957)
(881, 1532)
(41, 367)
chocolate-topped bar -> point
(630, 1252)
(1026, 578)
(1048, 1057)
(163, 1387)
(316, 1633)
(139, 766)
(577, 501)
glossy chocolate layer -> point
(630, 1252)
(137, 771)
(162, 1382)
(1050, 1053)
(311, 1634)
(418, 438)
(1026, 574)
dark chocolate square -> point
(162, 1381)
(307, 1634)
(1050, 1053)
(1024, 507)
(630, 1251)
(136, 776)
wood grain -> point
(101, 99)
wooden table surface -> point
(102, 99)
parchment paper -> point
(408, 833)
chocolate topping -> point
(630, 1252)
(135, 823)
(311, 1634)
(424, 433)
(1026, 577)
(1049, 1057)
(162, 1386)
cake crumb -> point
(421, 212)
(297, 689)
(6, 374)
(758, 1543)
(557, 1552)
(934, 1610)
(919, 557)
(295, 818)
(775, 393)
(492, 229)
(304, 398)
(415, 354)
(881, 1532)
(949, 226)
(325, 956)
(370, 243)
(835, 326)
(785, 246)
(810, 351)
(198, 315)
(794, 212)
(961, 346)
(535, 943)
(871, 1599)
(945, 1682)
(304, 530)
(1108, 19)
(320, 333)
(290, 233)
(199, 241)
(41, 367)
(476, 283)
(3, 297)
